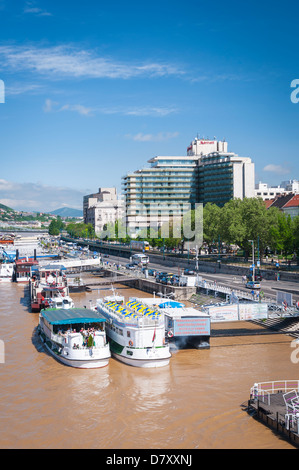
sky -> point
(94, 89)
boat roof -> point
(66, 316)
(185, 312)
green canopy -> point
(66, 316)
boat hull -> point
(94, 361)
(140, 357)
(5, 279)
(144, 363)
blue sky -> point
(95, 89)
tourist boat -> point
(136, 335)
(48, 288)
(6, 272)
(76, 337)
(185, 327)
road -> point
(270, 287)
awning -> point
(62, 316)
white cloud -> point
(32, 9)
(38, 197)
(53, 106)
(77, 108)
(276, 169)
(49, 105)
(153, 138)
(67, 61)
(139, 111)
(20, 88)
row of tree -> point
(238, 222)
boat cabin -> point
(22, 269)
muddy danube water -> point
(194, 403)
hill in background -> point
(6, 208)
(67, 212)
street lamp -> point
(253, 265)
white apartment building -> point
(262, 190)
(102, 208)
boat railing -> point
(63, 339)
(263, 390)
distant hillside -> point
(6, 208)
(67, 212)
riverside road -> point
(270, 287)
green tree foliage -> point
(80, 230)
(56, 226)
(240, 221)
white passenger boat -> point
(76, 337)
(136, 335)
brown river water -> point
(193, 403)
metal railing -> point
(274, 387)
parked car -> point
(253, 285)
(130, 266)
(189, 272)
(159, 276)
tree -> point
(56, 226)
(211, 224)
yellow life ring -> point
(131, 343)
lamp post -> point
(253, 265)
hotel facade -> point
(173, 185)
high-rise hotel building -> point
(174, 184)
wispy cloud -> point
(49, 105)
(78, 108)
(20, 88)
(280, 170)
(30, 196)
(153, 137)
(64, 61)
(54, 106)
(31, 8)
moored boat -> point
(136, 335)
(48, 288)
(76, 337)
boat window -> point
(128, 334)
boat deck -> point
(272, 411)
